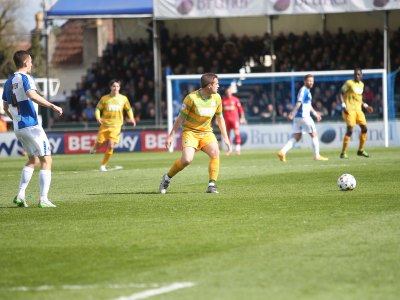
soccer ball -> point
(347, 182)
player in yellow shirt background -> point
(110, 115)
(196, 114)
(351, 96)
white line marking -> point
(81, 287)
(159, 291)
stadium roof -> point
(82, 9)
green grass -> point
(275, 231)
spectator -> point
(88, 113)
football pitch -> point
(275, 231)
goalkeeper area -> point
(275, 231)
(266, 97)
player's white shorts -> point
(304, 125)
(34, 140)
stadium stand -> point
(132, 62)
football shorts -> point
(197, 140)
(304, 125)
(107, 133)
(231, 124)
(354, 117)
(34, 140)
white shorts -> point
(34, 140)
(304, 125)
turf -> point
(276, 230)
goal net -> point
(268, 97)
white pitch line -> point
(81, 287)
(159, 291)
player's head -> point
(23, 60)
(228, 91)
(115, 86)
(357, 74)
(209, 82)
(309, 81)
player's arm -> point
(35, 97)
(129, 112)
(222, 127)
(7, 110)
(131, 117)
(183, 113)
(316, 114)
(174, 129)
(367, 107)
(341, 97)
(294, 111)
(97, 111)
(241, 112)
(97, 115)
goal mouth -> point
(280, 89)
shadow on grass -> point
(4, 207)
(134, 193)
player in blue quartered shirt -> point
(21, 102)
(302, 121)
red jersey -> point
(232, 108)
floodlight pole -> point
(45, 115)
(157, 74)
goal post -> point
(179, 85)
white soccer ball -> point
(347, 182)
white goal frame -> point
(383, 73)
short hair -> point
(114, 81)
(308, 76)
(20, 57)
(207, 78)
(357, 70)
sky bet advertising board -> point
(80, 142)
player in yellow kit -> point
(198, 109)
(110, 115)
(351, 97)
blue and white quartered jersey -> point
(23, 110)
(305, 98)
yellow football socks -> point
(363, 139)
(176, 167)
(107, 156)
(346, 142)
(213, 168)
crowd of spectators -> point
(132, 63)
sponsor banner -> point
(178, 9)
(80, 142)
(330, 134)
(9, 145)
(266, 136)
(155, 140)
(56, 141)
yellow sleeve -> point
(186, 106)
(345, 87)
(99, 108)
(219, 105)
(97, 113)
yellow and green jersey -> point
(112, 110)
(353, 92)
(198, 111)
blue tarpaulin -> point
(100, 8)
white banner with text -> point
(181, 9)
(270, 136)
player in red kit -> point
(232, 110)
